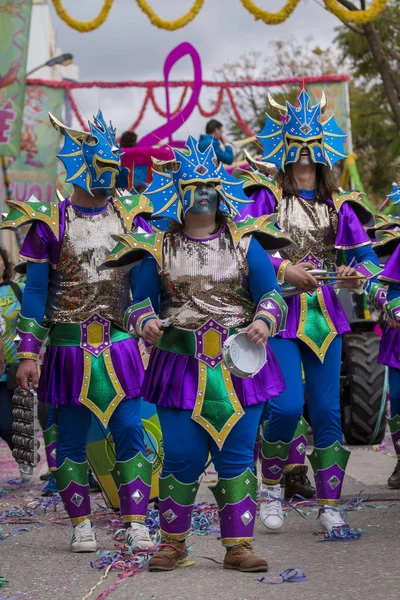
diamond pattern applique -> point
(169, 516)
(274, 469)
(77, 499)
(137, 496)
(305, 128)
(53, 453)
(301, 448)
(246, 517)
(333, 482)
(43, 209)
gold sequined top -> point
(312, 225)
(77, 288)
(201, 279)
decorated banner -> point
(15, 16)
(35, 170)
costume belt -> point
(217, 407)
(101, 390)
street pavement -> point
(35, 560)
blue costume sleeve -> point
(393, 291)
(35, 293)
(262, 278)
(148, 283)
(360, 255)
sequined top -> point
(312, 225)
(205, 278)
(77, 288)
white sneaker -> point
(271, 513)
(137, 535)
(330, 519)
(84, 538)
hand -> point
(297, 275)
(393, 324)
(153, 330)
(27, 372)
(344, 271)
(257, 331)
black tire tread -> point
(365, 378)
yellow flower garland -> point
(83, 26)
(171, 25)
(357, 17)
(269, 17)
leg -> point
(186, 448)
(329, 458)
(236, 492)
(71, 474)
(50, 439)
(394, 423)
(6, 418)
(284, 414)
(132, 471)
(284, 411)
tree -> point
(382, 45)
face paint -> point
(205, 200)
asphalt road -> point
(35, 560)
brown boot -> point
(297, 483)
(243, 558)
(168, 556)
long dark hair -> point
(221, 219)
(326, 182)
(7, 264)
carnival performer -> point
(203, 280)
(387, 248)
(91, 366)
(326, 224)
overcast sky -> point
(128, 47)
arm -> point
(145, 299)
(226, 156)
(264, 288)
(367, 264)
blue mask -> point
(172, 193)
(301, 126)
(92, 160)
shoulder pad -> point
(360, 208)
(255, 179)
(387, 242)
(133, 247)
(131, 206)
(33, 210)
(263, 229)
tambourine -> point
(242, 357)
(25, 430)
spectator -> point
(128, 139)
(213, 135)
(10, 302)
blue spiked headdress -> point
(395, 193)
(172, 193)
(301, 126)
(92, 159)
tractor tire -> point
(362, 392)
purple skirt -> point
(333, 305)
(62, 372)
(171, 381)
(389, 351)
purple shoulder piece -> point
(40, 243)
(350, 232)
(140, 222)
(391, 272)
(264, 203)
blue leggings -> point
(74, 424)
(323, 390)
(187, 445)
(394, 386)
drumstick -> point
(166, 322)
(333, 278)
